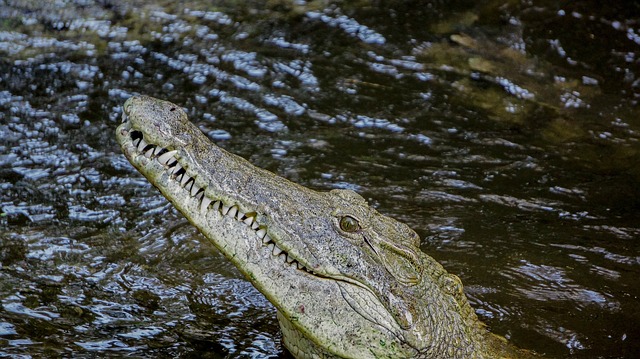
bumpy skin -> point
(347, 281)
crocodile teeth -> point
(141, 144)
(180, 174)
(175, 169)
(172, 162)
(166, 157)
(185, 179)
(204, 204)
(189, 185)
(195, 190)
(150, 151)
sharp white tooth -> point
(175, 169)
(289, 259)
(255, 224)
(141, 145)
(271, 246)
(184, 180)
(283, 257)
(276, 250)
(204, 204)
(261, 233)
(225, 209)
(240, 215)
(232, 211)
(165, 157)
(136, 142)
(266, 239)
(300, 266)
(150, 152)
(194, 190)
(216, 205)
(248, 221)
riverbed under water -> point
(506, 134)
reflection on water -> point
(506, 134)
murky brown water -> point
(507, 134)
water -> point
(507, 134)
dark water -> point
(507, 134)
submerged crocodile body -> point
(347, 281)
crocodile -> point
(347, 281)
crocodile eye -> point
(349, 224)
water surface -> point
(506, 134)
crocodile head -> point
(347, 281)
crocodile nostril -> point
(136, 135)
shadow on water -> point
(507, 134)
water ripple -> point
(549, 283)
(349, 26)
